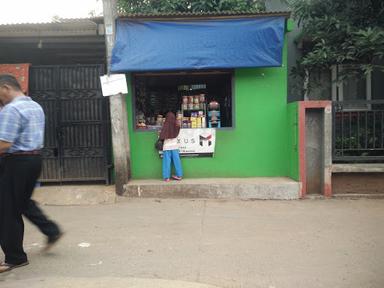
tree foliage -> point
(340, 32)
(171, 6)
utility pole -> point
(119, 119)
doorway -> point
(77, 134)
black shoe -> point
(52, 241)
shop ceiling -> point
(67, 41)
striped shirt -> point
(22, 123)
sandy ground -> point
(271, 244)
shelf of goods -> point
(193, 113)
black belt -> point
(22, 153)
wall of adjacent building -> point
(293, 140)
(294, 88)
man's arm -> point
(4, 146)
(10, 120)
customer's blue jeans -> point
(170, 156)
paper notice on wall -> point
(113, 84)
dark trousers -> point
(17, 182)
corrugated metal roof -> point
(56, 21)
(76, 26)
(194, 15)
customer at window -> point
(171, 154)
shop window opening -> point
(199, 99)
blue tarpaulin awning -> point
(198, 44)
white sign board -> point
(113, 84)
(197, 142)
(108, 29)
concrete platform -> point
(216, 188)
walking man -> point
(21, 137)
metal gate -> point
(77, 137)
(358, 131)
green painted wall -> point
(258, 145)
(293, 140)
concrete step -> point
(75, 195)
(358, 196)
(278, 188)
(358, 168)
